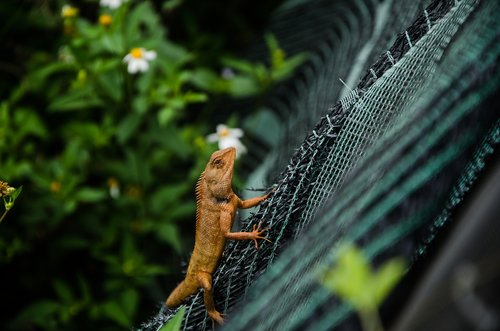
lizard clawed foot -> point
(216, 317)
(256, 234)
(270, 193)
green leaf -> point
(87, 132)
(40, 312)
(38, 78)
(142, 24)
(153, 270)
(350, 276)
(171, 139)
(90, 195)
(73, 242)
(113, 43)
(140, 104)
(176, 322)
(172, 4)
(63, 291)
(271, 41)
(169, 233)
(166, 115)
(353, 280)
(16, 193)
(167, 196)
(239, 64)
(28, 122)
(111, 84)
(182, 210)
(288, 66)
(194, 97)
(204, 78)
(128, 127)
(386, 277)
(130, 299)
(241, 86)
(115, 312)
(264, 124)
(87, 30)
(175, 55)
(76, 100)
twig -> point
(3, 215)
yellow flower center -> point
(136, 53)
(55, 186)
(113, 182)
(224, 133)
(5, 189)
(105, 20)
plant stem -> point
(370, 320)
(3, 215)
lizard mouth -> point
(230, 150)
(229, 156)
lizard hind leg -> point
(205, 280)
(181, 292)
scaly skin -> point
(216, 205)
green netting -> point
(346, 37)
(390, 97)
(386, 166)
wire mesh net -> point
(386, 166)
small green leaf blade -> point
(349, 278)
(16, 193)
(176, 322)
(386, 277)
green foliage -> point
(108, 161)
(246, 78)
(354, 281)
(176, 322)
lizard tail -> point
(181, 292)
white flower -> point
(112, 4)
(138, 60)
(227, 137)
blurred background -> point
(105, 107)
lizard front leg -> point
(252, 202)
(226, 222)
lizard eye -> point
(218, 163)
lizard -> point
(216, 206)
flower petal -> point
(126, 58)
(233, 142)
(213, 137)
(149, 55)
(236, 132)
(133, 66)
(113, 4)
(143, 65)
(228, 142)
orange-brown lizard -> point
(216, 205)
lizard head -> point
(219, 172)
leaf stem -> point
(370, 320)
(3, 215)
